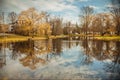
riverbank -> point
(17, 38)
(107, 38)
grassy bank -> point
(12, 38)
(17, 38)
(107, 38)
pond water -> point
(60, 59)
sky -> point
(69, 10)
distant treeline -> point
(32, 23)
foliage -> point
(30, 22)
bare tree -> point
(67, 28)
(85, 15)
(1, 19)
(115, 10)
(56, 24)
(3, 26)
(12, 17)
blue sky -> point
(68, 9)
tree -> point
(12, 17)
(3, 27)
(115, 10)
(1, 19)
(97, 23)
(86, 13)
(30, 22)
(66, 29)
(27, 20)
(78, 29)
(56, 26)
(102, 24)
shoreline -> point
(18, 38)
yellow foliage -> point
(44, 28)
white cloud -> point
(83, 0)
(94, 7)
(55, 5)
(45, 5)
(111, 5)
(70, 17)
(52, 6)
(71, 1)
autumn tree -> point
(27, 20)
(30, 21)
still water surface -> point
(60, 59)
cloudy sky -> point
(68, 9)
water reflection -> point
(36, 52)
(57, 46)
(90, 58)
(108, 52)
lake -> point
(81, 58)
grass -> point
(17, 38)
(107, 37)
(12, 38)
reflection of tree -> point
(36, 52)
(42, 46)
(69, 43)
(96, 49)
(3, 47)
(33, 51)
(103, 51)
(77, 42)
(21, 47)
(114, 66)
(31, 60)
(85, 44)
(57, 46)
